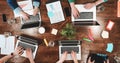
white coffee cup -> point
(41, 30)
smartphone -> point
(4, 18)
(67, 11)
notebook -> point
(87, 16)
(55, 12)
(70, 45)
(26, 42)
(34, 21)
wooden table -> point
(50, 54)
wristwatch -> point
(12, 54)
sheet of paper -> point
(26, 7)
(55, 12)
(2, 41)
(7, 44)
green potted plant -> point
(68, 31)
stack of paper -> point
(7, 44)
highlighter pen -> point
(46, 43)
(86, 39)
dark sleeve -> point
(37, 0)
(71, 1)
(12, 3)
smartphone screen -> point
(67, 11)
(4, 18)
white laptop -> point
(70, 45)
(55, 12)
(85, 14)
(26, 42)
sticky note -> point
(110, 25)
(109, 47)
(54, 31)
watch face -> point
(12, 54)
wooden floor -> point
(50, 54)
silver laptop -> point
(34, 21)
(26, 42)
(87, 16)
(70, 45)
(55, 12)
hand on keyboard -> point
(73, 54)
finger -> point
(104, 61)
(18, 48)
(20, 53)
(89, 59)
(93, 61)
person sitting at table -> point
(15, 7)
(18, 51)
(64, 56)
(75, 11)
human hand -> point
(18, 51)
(29, 53)
(73, 54)
(89, 5)
(63, 58)
(74, 57)
(24, 15)
(89, 60)
(75, 12)
(107, 61)
(35, 11)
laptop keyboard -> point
(32, 19)
(69, 49)
(25, 45)
(85, 15)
